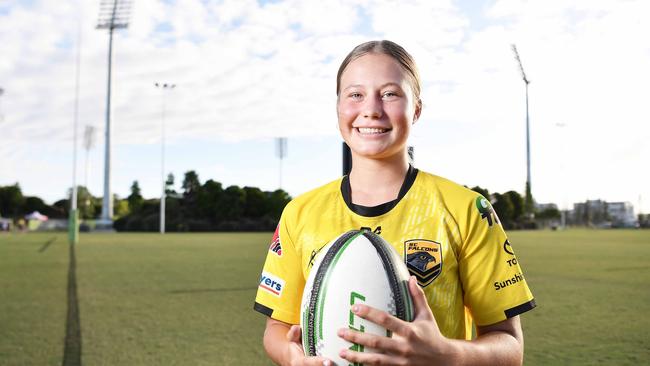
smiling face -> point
(376, 107)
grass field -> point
(186, 299)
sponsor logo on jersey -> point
(486, 210)
(271, 284)
(313, 255)
(423, 259)
(508, 248)
(276, 247)
(369, 229)
(499, 285)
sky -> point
(248, 72)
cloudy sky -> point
(247, 72)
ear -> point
(418, 111)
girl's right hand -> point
(296, 354)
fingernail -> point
(341, 332)
(326, 363)
(355, 309)
(342, 353)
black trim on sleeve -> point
(378, 210)
(263, 309)
(519, 309)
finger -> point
(370, 340)
(294, 334)
(317, 361)
(420, 304)
(365, 358)
(378, 317)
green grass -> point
(593, 295)
(186, 299)
(33, 280)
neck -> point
(377, 181)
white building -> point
(621, 214)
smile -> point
(371, 131)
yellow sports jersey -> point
(449, 236)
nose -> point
(373, 107)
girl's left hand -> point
(413, 343)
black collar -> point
(373, 211)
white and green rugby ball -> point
(357, 267)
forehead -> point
(371, 69)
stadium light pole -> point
(113, 14)
(2, 91)
(281, 153)
(73, 219)
(164, 87)
(561, 126)
(528, 201)
(89, 141)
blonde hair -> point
(389, 48)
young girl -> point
(464, 270)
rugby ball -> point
(357, 267)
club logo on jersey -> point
(271, 284)
(486, 210)
(276, 247)
(423, 259)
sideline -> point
(47, 244)
(72, 347)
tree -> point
(85, 202)
(276, 202)
(231, 206)
(517, 204)
(135, 199)
(191, 184)
(191, 191)
(12, 201)
(549, 214)
(256, 203)
(35, 204)
(169, 185)
(504, 208)
(529, 202)
(482, 191)
(209, 199)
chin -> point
(373, 153)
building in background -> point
(621, 214)
(600, 213)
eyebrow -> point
(380, 87)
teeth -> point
(366, 130)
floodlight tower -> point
(2, 91)
(281, 153)
(89, 141)
(73, 216)
(528, 200)
(163, 196)
(113, 14)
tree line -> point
(198, 206)
(208, 206)
(510, 207)
(204, 207)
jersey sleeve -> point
(281, 283)
(493, 283)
